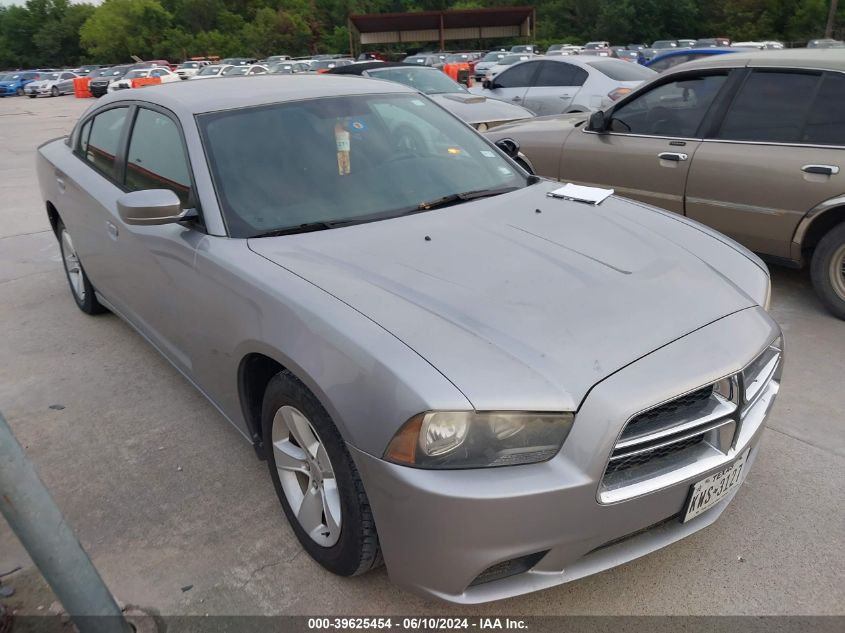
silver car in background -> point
(51, 85)
(561, 84)
(448, 364)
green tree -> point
(119, 29)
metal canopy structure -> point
(440, 26)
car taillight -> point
(618, 93)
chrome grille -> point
(697, 424)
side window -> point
(519, 76)
(673, 109)
(104, 139)
(82, 142)
(826, 121)
(560, 74)
(157, 73)
(771, 107)
(156, 158)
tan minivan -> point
(750, 143)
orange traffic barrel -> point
(80, 87)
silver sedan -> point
(51, 85)
(449, 365)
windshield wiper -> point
(308, 227)
(457, 198)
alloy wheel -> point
(837, 271)
(306, 475)
(72, 267)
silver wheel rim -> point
(837, 271)
(307, 476)
(72, 267)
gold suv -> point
(751, 143)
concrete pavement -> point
(163, 493)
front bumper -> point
(439, 530)
(8, 91)
(98, 90)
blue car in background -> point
(671, 58)
(12, 83)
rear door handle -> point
(60, 179)
(673, 156)
(517, 99)
(825, 170)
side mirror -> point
(151, 207)
(490, 84)
(508, 146)
(598, 122)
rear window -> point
(826, 122)
(623, 71)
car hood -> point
(521, 309)
(6, 84)
(474, 108)
(551, 124)
(42, 83)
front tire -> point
(54, 92)
(316, 480)
(81, 289)
(827, 270)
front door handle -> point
(111, 227)
(517, 99)
(825, 170)
(673, 156)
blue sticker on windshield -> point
(357, 126)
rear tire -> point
(80, 288)
(341, 535)
(32, 96)
(19, 92)
(827, 270)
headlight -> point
(481, 127)
(760, 371)
(469, 439)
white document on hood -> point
(580, 193)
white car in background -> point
(241, 71)
(165, 75)
(211, 72)
(186, 70)
(564, 84)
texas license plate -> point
(710, 491)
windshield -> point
(136, 73)
(117, 71)
(326, 64)
(188, 65)
(430, 82)
(344, 159)
(622, 71)
(281, 69)
(414, 59)
(493, 57)
(235, 70)
(665, 44)
(209, 70)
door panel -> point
(554, 87)
(757, 182)
(757, 194)
(631, 165)
(512, 83)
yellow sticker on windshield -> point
(453, 151)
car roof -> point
(357, 69)
(677, 52)
(814, 58)
(187, 98)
